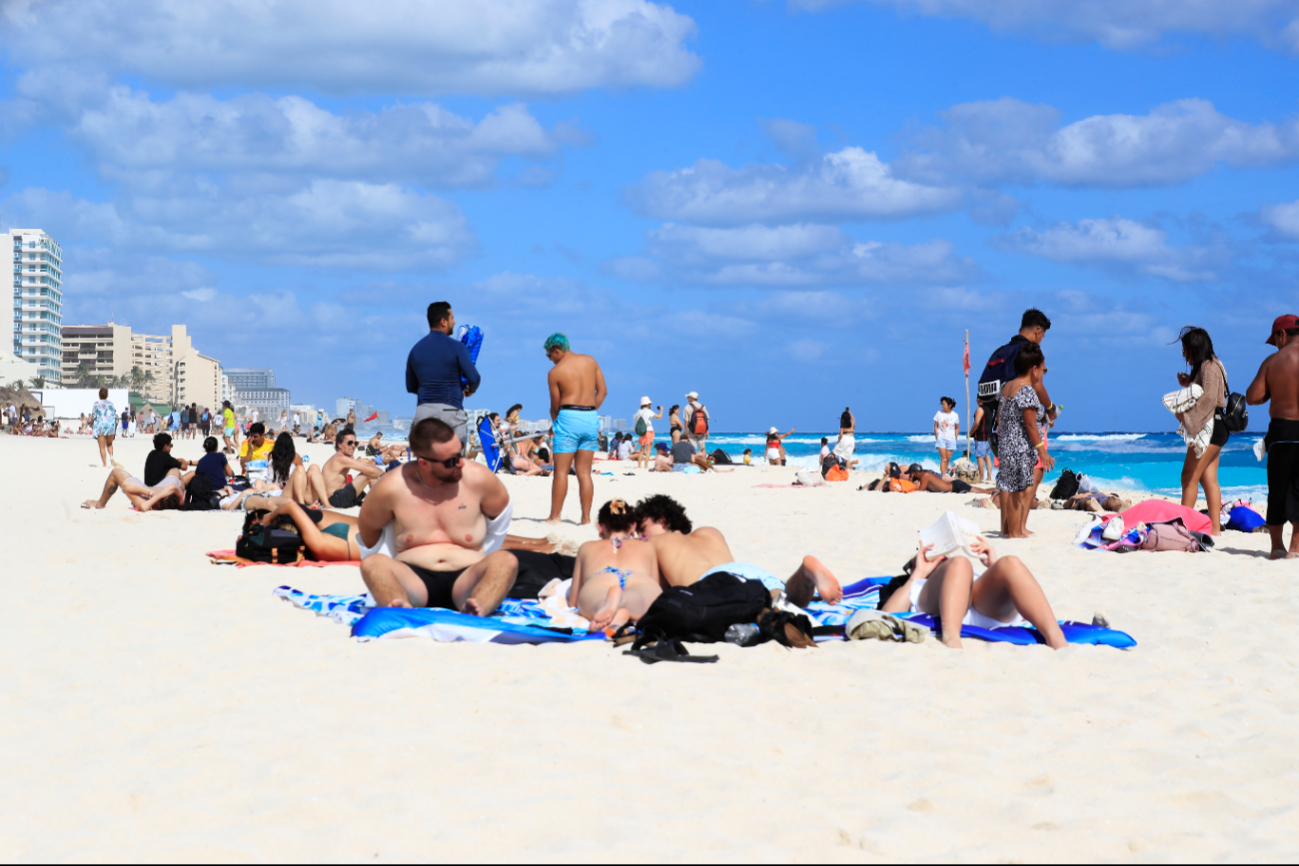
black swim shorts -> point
(438, 584)
(345, 497)
(959, 486)
(1282, 472)
(538, 569)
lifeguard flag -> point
(376, 414)
(967, 359)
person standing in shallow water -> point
(577, 391)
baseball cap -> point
(693, 395)
(644, 401)
(1282, 323)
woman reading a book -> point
(947, 589)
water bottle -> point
(306, 458)
(743, 634)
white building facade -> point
(35, 319)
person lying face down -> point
(1005, 594)
(686, 555)
(615, 579)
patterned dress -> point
(105, 415)
(1017, 454)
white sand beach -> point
(160, 708)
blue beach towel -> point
(491, 450)
(515, 621)
(472, 337)
(866, 593)
(447, 625)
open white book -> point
(951, 534)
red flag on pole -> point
(967, 359)
(376, 414)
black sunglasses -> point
(450, 463)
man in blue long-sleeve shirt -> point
(434, 371)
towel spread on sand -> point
(229, 557)
(535, 622)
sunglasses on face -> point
(449, 463)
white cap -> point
(644, 401)
(772, 432)
(693, 395)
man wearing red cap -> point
(1278, 381)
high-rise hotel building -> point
(35, 320)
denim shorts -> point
(946, 444)
(982, 449)
(576, 430)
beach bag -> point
(721, 458)
(703, 611)
(1245, 519)
(1236, 416)
(1067, 485)
(1171, 536)
(641, 427)
(268, 544)
(838, 473)
(808, 478)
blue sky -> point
(787, 206)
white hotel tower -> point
(38, 302)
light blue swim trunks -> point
(577, 430)
(748, 571)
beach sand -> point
(161, 708)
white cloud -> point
(1283, 219)
(485, 47)
(1119, 244)
(1008, 141)
(852, 184)
(634, 268)
(325, 223)
(132, 137)
(808, 351)
(801, 255)
(1120, 24)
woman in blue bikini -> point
(615, 579)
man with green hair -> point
(576, 393)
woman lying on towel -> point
(615, 579)
(1005, 594)
(332, 537)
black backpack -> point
(1067, 485)
(199, 495)
(703, 611)
(268, 543)
(721, 458)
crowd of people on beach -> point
(432, 526)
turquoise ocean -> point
(1147, 462)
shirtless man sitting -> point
(439, 507)
(345, 488)
(685, 555)
(615, 579)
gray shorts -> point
(456, 419)
(699, 441)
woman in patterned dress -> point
(1021, 441)
(105, 425)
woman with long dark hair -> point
(288, 471)
(1203, 425)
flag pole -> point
(967, 395)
